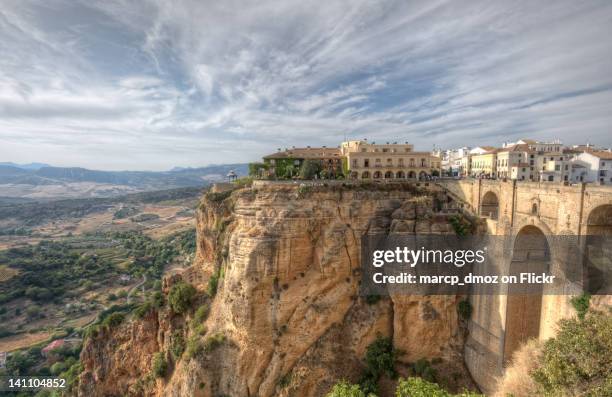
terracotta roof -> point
(516, 148)
(602, 154)
(306, 153)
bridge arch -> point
(530, 254)
(597, 249)
(490, 205)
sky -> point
(150, 85)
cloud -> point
(119, 84)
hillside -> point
(58, 182)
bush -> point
(177, 345)
(33, 311)
(577, 360)
(160, 365)
(345, 389)
(417, 387)
(113, 320)
(372, 299)
(581, 304)
(465, 309)
(194, 347)
(143, 309)
(213, 341)
(180, 297)
(57, 368)
(309, 169)
(213, 283)
(200, 314)
(380, 358)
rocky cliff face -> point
(288, 302)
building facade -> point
(287, 163)
(592, 166)
(388, 161)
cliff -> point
(287, 303)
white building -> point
(452, 160)
(592, 166)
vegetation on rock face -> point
(581, 304)
(160, 365)
(213, 341)
(460, 225)
(113, 320)
(213, 282)
(380, 360)
(465, 309)
(180, 297)
(578, 360)
(177, 345)
(417, 387)
(345, 389)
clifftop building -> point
(367, 160)
(357, 160)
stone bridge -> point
(525, 211)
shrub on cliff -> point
(581, 304)
(213, 341)
(465, 309)
(578, 361)
(177, 345)
(417, 387)
(345, 389)
(180, 297)
(160, 365)
(380, 357)
(113, 320)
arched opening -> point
(530, 254)
(411, 175)
(534, 209)
(598, 251)
(388, 175)
(377, 175)
(354, 175)
(490, 205)
(365, 175)
(422, 175)
(400, 175)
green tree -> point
(578, 361)
(180, 297)
(345, 389)
(309, 169)
(417, 387)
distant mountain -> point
(48, 181)
(30, 166)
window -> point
(354, 163)
(422, 162)
(385, 150)
(534, 209)
(366, 163)
(557, 168)
(550, 178)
